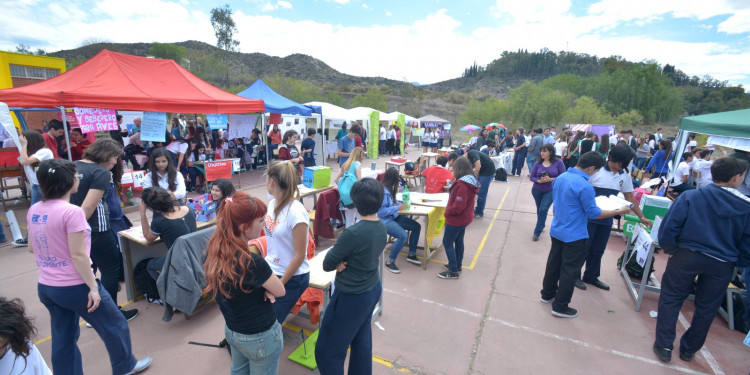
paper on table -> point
(611, 203)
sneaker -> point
(20, 243)
(445, 267)
(569, 312)
(413, 260)
(140, 365)
(546, 300)
(129, 314)
(88, 325)
(157, 301)
(392, 267)
(448, 275)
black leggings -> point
(106, 257)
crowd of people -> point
(76, 207)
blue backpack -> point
(345, 187)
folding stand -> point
(637, 289)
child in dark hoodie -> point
(707, 233)
(458, 214)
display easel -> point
(639, 245)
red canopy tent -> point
(119, 81)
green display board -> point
(374, 134)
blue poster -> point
(154, 126)
(217, 120)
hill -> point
(640, 91)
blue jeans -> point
(347, 322)
(453, 241)
(66, 304)
(397, 228)
(746, 280)
(543, 202)
(518, 158)
(294, 289)
(258, 353)
(530, 161)
(484, 187)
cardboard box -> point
(204, 207)
(653, 206)
(317, 177)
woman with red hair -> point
(244, 287)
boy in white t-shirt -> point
(703, 165)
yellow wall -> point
(7, 58)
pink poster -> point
(95, 120)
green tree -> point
(294, 89)
(335, 99)
(373, 98)
(587, 111)
(484, 112)
(224, 28)
(168, 51)
(24, 48)
(628, 119)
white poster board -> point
(8, 127)
(154, 126)
(241, 126)
(641, 245)
(138, 177)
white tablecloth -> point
(503, 161)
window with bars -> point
(22, 71)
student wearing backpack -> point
(350, 173)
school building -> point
(19, 69)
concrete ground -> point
(490, 321)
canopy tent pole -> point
(65, 127)
(265, 137)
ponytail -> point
(284, 173)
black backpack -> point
(144, 281)
(633, 268)
(501, 175)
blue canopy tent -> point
(276, 103)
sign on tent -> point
(96, 120)
(241, 126)
(154, 126)
(217, 120)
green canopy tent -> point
(730, 129)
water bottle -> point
(406, 197)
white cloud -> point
(284, 5)
(427, 49)
(365, 6)
(530, 10)
(388, 13)
(267, 7)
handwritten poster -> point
(154, 126)
(641, 246)
(96, 120)
(241, 126)
(217, 120)
(218, 169)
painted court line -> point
(552, 335)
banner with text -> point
(218, 169)
(217, 120)
(96, 120)
(241, 126)
(154, 126)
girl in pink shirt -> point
(60, 238)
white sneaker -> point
(140, 365)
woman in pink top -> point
(60, 238)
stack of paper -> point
(611, 202)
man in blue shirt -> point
(707, 234)
(535, 147)
(548, 137)
(346, 143)
(574, 206)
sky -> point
(424, 41)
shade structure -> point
(125, 82)
(470, 128)
(432, 121)
(729, 124)
(275, 103)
